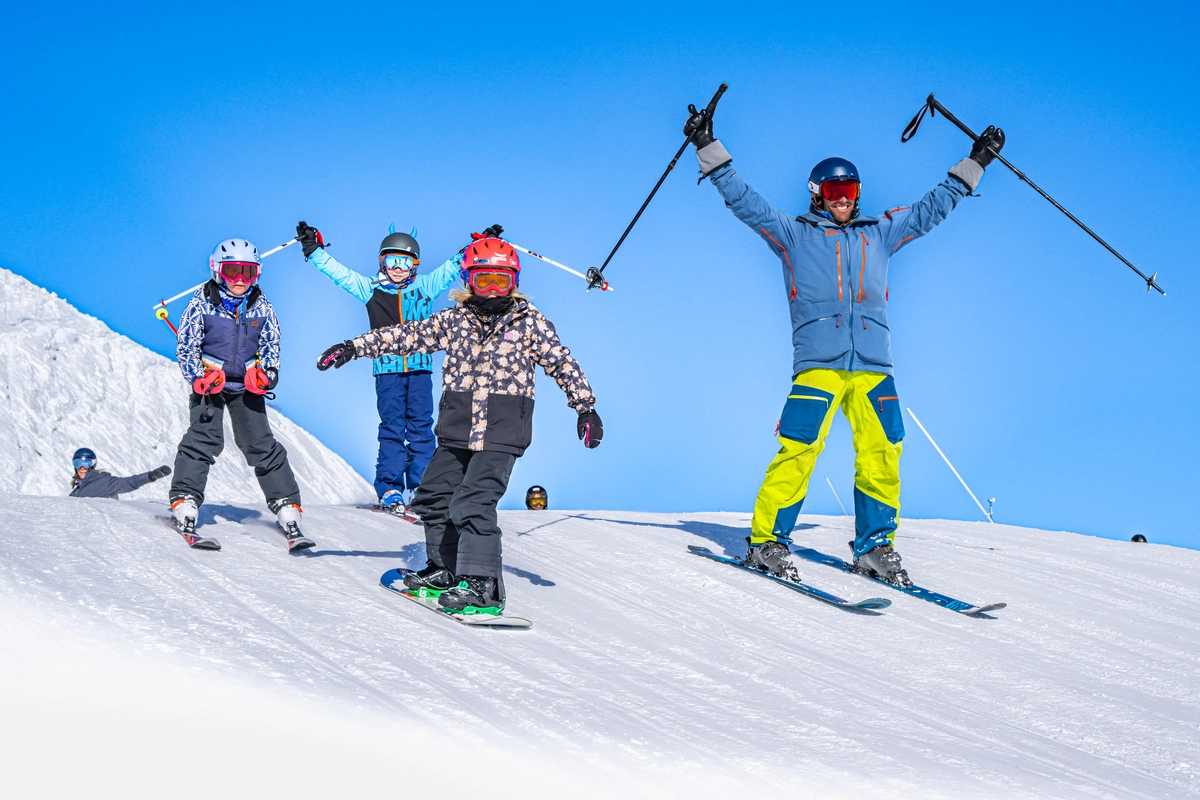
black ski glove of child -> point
(987, 146)
(337, 356)
(590, 429)
(161, 472)
(310, 238)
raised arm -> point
(356, 284)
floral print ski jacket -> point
(488, 377)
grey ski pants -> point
(204, 440)
(457, 502)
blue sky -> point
(137, 137)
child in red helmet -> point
(493, 338)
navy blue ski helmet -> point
(831, 169)
(84, 457)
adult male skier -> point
(835, 263)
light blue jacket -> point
(416, 301)
(836, 276)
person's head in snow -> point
(835, 188)
(399, 257)
(83, 460)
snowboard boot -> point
(431, 581)
(393, 502)
(773, 558)
(289, 522)
(474, 595)
(882, 562)
(184, 514)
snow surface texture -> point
(68, 381)
(649, 672)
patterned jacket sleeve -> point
(548, 350)
(423, 336)
(268, 342)
(191, 339)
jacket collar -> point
(820, 220)
(213, 292)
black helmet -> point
(534, 495)
(1137, 537)
(400, 243)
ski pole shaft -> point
(711, 106)
(948, 464)
(934, 105)
(554, 263)
(835, 496)
(271, 252)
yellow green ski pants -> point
(871, 405)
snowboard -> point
(393, 580)
(194, 540)
(407, 516)
(961, 606)
(871, 603)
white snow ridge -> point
(68, 381)
(132, 666)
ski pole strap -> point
(910, 130)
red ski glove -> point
(257, 381)
(212, 382)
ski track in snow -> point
(650, 667)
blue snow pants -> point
(406, 442)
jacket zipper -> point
(839, 266)
(862, 268)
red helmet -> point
(491, 253)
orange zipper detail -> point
(782, 249)
(839, 257)
(862, 268)
(890, 397)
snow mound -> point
(69, 381)
(649, 672)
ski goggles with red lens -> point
(842, 187)
(483, 281)
(232, 270)
(395, 261)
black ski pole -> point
(933, 107)
(595, 277)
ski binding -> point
(871, 603)
(194, 540)
(393, 580)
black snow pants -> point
(204, 440)
(457, 502)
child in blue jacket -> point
(403, 384)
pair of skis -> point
(870, 604)
(198, 542)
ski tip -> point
(977, 610)
(872, 603)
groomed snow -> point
(68, 381)
(131, 663)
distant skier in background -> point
(835, 263)
(493, 338)
(228, 349)
(90, 481)
(536, 498)
(404, 384)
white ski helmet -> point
(238, 250)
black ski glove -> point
(493, 231)
(160, 472)
(310, 238)
(590, 429)
(698, 128)
(337, 356)
(272, 378)
(989, 143)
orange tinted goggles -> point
(844, 187)
(482, 280)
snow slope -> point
(68, 381)
(649, 672)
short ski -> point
(297, 543)
(393, 580)
(942, 600)
(193, 539)
(871, 603)
(406, 515)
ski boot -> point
(474, 595)
(773, 558)
(431, 581)
(184, 514)
(289, 522)
(393, 502)
(882, 562)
